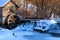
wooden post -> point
(0, 16)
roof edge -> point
(5, 3)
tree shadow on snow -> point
(55, 34)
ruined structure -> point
(29, 9)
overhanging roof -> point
(3, 2)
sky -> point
(3, 2)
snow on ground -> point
(6, 34)
(19, 35)
(25, 32)
(26, 27)
(53, 38)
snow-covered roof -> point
(3, 2)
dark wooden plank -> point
(0, 16)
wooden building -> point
(39, 9)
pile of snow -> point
(46, 22)
(25, 27)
